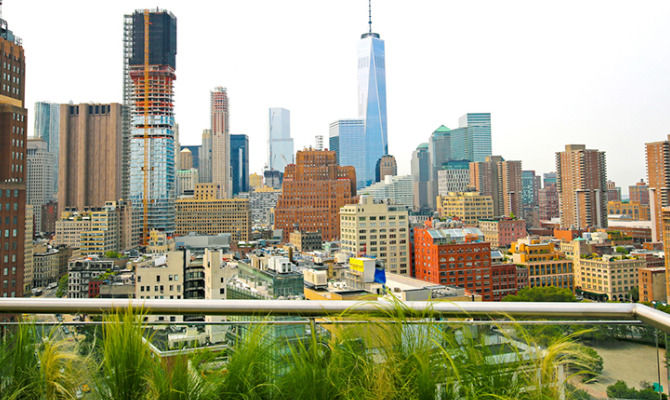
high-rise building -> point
(479, 135)
(39, 177)
(453, 177)
(195, 155)
(548, 202)
(658, 176)
(187, 175)
(530, 184)
(314, 189)
(28, 267)
(13, 142)
(205, 156)
(185, 159)
(221, 142)
(391, 246)
(396, 190)
(613, 192)
(371, 101)
(348, 136)
(439, 151)
(239, 163)
(152, 142)
(385, 166)
(549, 178)
(47, 126)
(90, 172)
(280, 144)
(582, 190)
(639, 193)
(501, 180)
(206, 214)
(421, 177)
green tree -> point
(594, 364)
(621, 391)
(621, 250)
(62, 286)
(113, 254)
(542, 294)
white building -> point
(397, 189)
(280, 144)
(452, 180)
(186, 180)
(39, 176)
(160, 276)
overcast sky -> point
(551, 73)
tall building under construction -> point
(150, 50)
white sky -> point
(550, 72)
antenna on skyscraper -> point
(369, 15)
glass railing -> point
(269, 349)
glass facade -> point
(280, 144)
(480, 134)
(372, 102)
(47, 128)
(349, 136)
(239, 163)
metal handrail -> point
(319, 308)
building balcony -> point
(280, 349)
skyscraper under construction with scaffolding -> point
(150, 50)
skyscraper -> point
(90, 171)
(658, 176)
(239, 162)
(385, 166)
(314, 189)
(205, 156)
(152, 158)
(195, 155)
(280, 144)
(480, 134)
(372, 100)
(47, 125)
(351, 148)
(39, 177)
(220, 142)
(318, 142)
(13, 138)
(582, 187)
(501, 180)
(421, 177)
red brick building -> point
(314, 189)
(454, 257)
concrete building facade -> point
(501, 180)
(39, 177)
(469, 207)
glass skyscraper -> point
(372, 102)
(239, 163)
(349, 137)
(480, 134)
(280, 144)
(47, 128)
(152, 176)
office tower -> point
(501, 180)
(195, 155)
(582, 190)
(639, 193)
(468, 207)
(613, 192)
(220, 142)
(348, 135)
(479, 135)
(187, 176)
(314, 189)
(454, 176)
(205, 156)
(548, 202)
(394, 189)
(421, 177)
(49, 215)
(273, 178)
(439, 149)
(185, 159)
(280, 144)
(549, 178)
(386, 165)
(39, 177)
(239, 163)
(530, 184)
(13, 142)
(391, 247)
(47, 125)
(318, 142)
(371, 102)
(90, 172)
(206, 214)
(152, 158)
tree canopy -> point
(542, 294)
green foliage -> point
(621, 250)
(62, 286)
(577, 394)
(113, 254)
(620, 390)
(542, 294)
(593, 363)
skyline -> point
(613, 92)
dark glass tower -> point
(239, 163)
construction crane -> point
(145, 198)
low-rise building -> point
(394, 189)
(608, 277)
(160, 276)
(651, 284)
(306, 241)
(629, 209)
(50, 263)
(377, 229)
(546, 265)
(470, 207)
(83, 270)
(501, 232)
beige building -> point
(90, 170)
(651, 284)
(160, 276)
(581, 176)
(186, 180)
(28, 266)
(501, 180)
(50, 263)
(208, 215)
(469, 207)
(546, 266)
(608, 277)
(377, 229)
(255, 181)
(306, 241)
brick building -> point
(501, 232)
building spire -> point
(369, 15)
